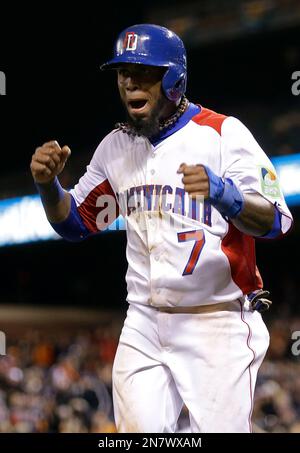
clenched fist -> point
(195, 180)
(48, 161)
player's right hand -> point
(48, 161)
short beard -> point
(149, 127)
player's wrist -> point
(224, 195)
(51, 193)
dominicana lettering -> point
(164, 198)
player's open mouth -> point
(137, 105)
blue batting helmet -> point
(153, 45)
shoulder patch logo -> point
(269, 183)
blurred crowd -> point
(207, 21)
(277, 399)
(284, 131)
(277, 132)
(61, 382)
(58, 382)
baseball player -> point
(195, 189)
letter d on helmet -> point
(153, 45)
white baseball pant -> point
(208, 361)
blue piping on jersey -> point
(191, 111)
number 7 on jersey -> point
(199, 238)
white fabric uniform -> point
(183, 254)
(209, 361)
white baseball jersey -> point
(180, 252)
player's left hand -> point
(195, 179)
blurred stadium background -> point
(62, 305)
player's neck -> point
(173, 118)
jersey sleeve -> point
(244, 161)
(94, 196)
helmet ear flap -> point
(174, 83)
